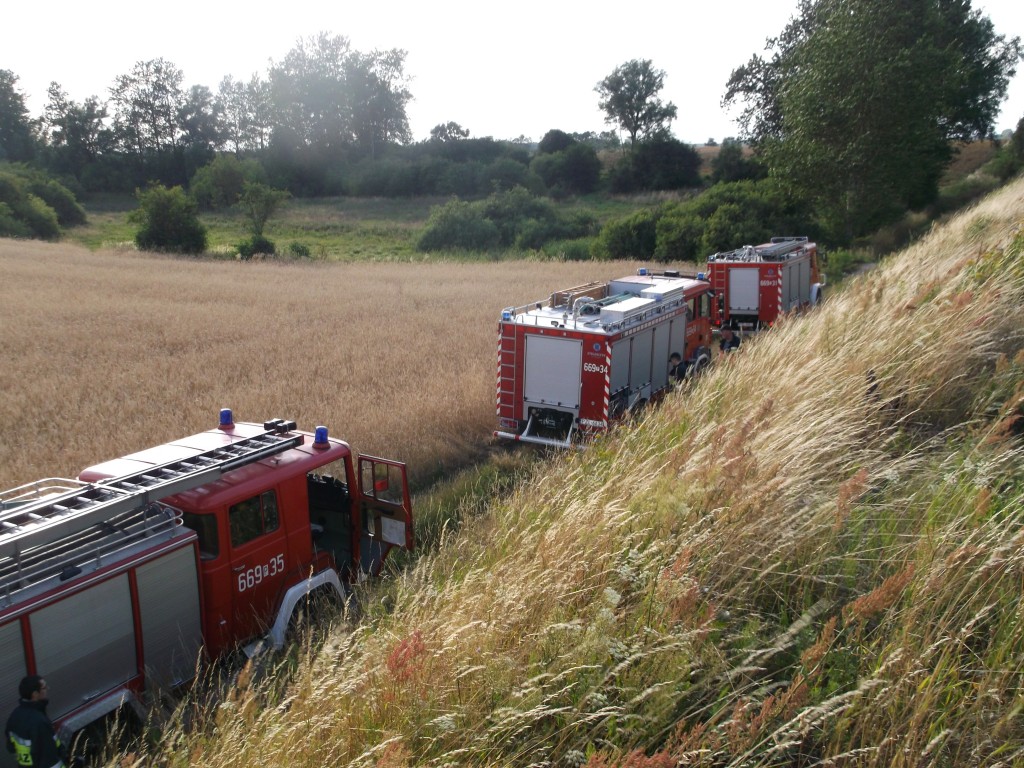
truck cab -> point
(268, 530)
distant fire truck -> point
(115, 583)
(756, 284)
(571, 365)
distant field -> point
(109, 352)
(333, 229)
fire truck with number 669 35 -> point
(116, 583)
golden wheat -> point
(111, 352)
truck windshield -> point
(205, 527)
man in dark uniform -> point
(29, 731)
(730, 340)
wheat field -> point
(105, 353)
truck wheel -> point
(817, 294)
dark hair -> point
(30, 685)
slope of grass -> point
(813, 556)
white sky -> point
(499, 70)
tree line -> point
(849, 118)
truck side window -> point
(704, 308)
(205, 527)
(253, 517)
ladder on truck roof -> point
(28, 522)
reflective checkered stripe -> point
(607, 379)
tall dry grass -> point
(110, 352)
(812, 557)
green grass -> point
(333, 229)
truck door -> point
(258, 564)
(385, 509)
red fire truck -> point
(757, 283)
(572, 364)
(117, 582)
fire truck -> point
(118, 583)
(572, 364)
(756, 284)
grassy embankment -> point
(813, 556)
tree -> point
(860, 99)
(555, 141)
(167, 221)
(732, 164)
(17, 134)
(147, 103)
(378, 94)
(260, 202)
(76, 134)
(450, 131)
(629, 98)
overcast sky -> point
(499, 70)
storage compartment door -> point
(554, 368)
(659, 365)
(85, 644)
(169, 611)
(640, 365)
(744, 293)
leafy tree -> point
(77, 136)
(629, 98)
(200, 119)
(219, 184)
(659, 164)
(327, 95)
(17, 134)
(860, 99)
(378, 95)
(732, 164)
(246, 113)
(147, 103)
(450, 131)
(574, 170)
(167, 221)
(260, 202)
(555, 141)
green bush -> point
(299, 250)
(26, 214)
(678, 237)
(569, 250)
(632, 237)
(219, 184)
(60, 199)
(256, 245)
(458, 225)
(10, 225)
(168, 221)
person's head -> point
(726, 332)
(674, 359)
(32, 688)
